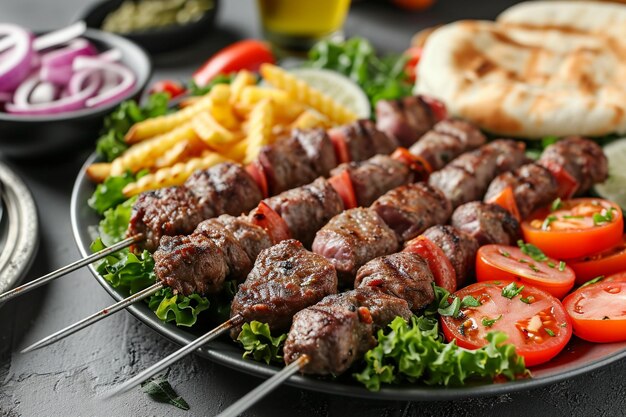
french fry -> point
(162, 124)
(285, 108)
(174, 175)
(236, 152)
(260, 129)
(211, 132)
(310, 119)
(144, 154)
(242, 79)
(300, 91)
(180, 152)
(98, 171)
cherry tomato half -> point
(339, 145)
(437, 107)
(579, 227)
(604, 263)
(264, 216)
(170, 87)
(567, 184)
(414, 53)
(535, 322)
(437, 261)
(500, 262)
(506, 200)
(342, 183)
(597, 311)
(247, 54)
(419, 166)
(255, 169)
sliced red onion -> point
(23, 91)
(126, 84)
(5, 97)
(16, 60)
(60, 36)
(56, 66)
(44, 92)
(112, 55)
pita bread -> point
(544, 69)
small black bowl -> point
(160, 39)
(24, 136)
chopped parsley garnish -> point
(551, 264)
(561, 266)
(546, 223)
(556, 204)
(527, 300)
(593, 281)
(599, 218)
(570, 216)
(511, 290)
(505, 253)
(470, 301)
(550, 332)
(487, 322)
(531, 250)
(452, 309)
(533, 267)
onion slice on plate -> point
(60, 36)
(56, 66)
(126, 84)
(15, 61)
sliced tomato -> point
(437, 261)
(264, 216)
(413, 54)
(605, 263)
(598, 311)
(506, 263)
(419, 166)
(342, 183)
(247, 54)
(339, 145)
(170, 87)
(258, 175)
(568, 185)
(506, 200)
(437, 107)
(535, 322)
(578, 227)
(619, 277)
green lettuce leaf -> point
(181, 309)
(416, 351)
(196, 90)
(112, 227)
(125, 270)
(109, 194)
(258, 342)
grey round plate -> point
(19, 229)
(579, 356)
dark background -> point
(66, 379)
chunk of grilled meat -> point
(352, 238)
(404, 275)
(285, 279)
(467, 177)
(487, 223)
(362, 140)
(533, 187)
(297, 160)
(374, 177)
(163, 212)
(338, 330)
(447, 140)
(405, 119)
(581, 158)
(458, 246)
(307, 208)
(413, 208)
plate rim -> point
(223, 353)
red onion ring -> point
(16, 60)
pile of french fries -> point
(230, 123)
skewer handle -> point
(265, 388)
(180, 353)
(22, 289)
(105, 312)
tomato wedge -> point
(419, 166)
(170, 87)
(247, 54)
(339, 145)
(567, 185)
(604, 263)
(506, 200)
(437, 261)
(598, 311)
(342, 183)
(413, 54)
(575, 228)
(619, 277)
(508, 263)
(535, 322)
(258, 175)
(437, 108)
(264, 216)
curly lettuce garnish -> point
(125, 270)
(415, 351)
(178, 308)
(258, 342)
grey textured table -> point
(67, 378)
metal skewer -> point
(180, 353)
(105, 312)
(22, 289)
(265, 388)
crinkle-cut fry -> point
(162, 124)
(225, 115)
(99, 171)
(310, 119)
(236, 152)
(174, 175)
(243, 79)
(300, 91)
(259, 128)
(180, 152)
(284, 107)
(144, 154)
(211, 132)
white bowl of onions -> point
(56, 88)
